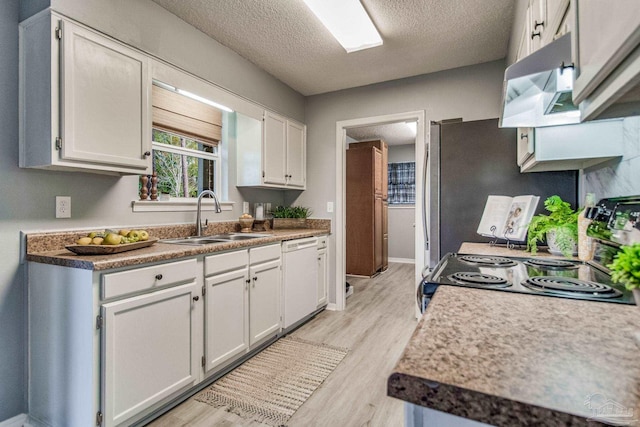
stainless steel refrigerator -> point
(467, 162)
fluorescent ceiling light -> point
(348, 22)
(192, 96)
(205, 100)
(413, 127)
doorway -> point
(358, 127)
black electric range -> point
(536, 276)
(614, 222)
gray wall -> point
(402, 217)
(618, 177)
(16, 197)
(401, 153)
(472, 93)
(100, 201)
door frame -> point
(340, 229)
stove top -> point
(537, 276)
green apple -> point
(112, 239)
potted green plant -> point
(625, 269)
(290, 216)
(559, 228)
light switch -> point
(329, 207)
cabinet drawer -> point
(148, 278)
(322, 242)
(215, 264)
(264, 253)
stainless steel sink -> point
(233, 236)
(217, 238)
(194, 240)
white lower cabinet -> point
(111, 348)
(147, 347)
(242, 303)
(226, 317)
(323, 275)
(264, 300)
(111, 360)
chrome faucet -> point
(199, 225)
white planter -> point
(553, 247)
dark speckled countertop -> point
(48, 248)
(509, 359)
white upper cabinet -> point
(537, 23)
(546, 20)
(284, 151)
(271, 153)
(296, 155)
(84, 100)
(275, 149)
(607, 45)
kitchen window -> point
(184, 166)
(186, 143)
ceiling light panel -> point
(348, 22)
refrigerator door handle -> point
(424, 198)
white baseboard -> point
(331, 306)
(403, 260)
(21, 420)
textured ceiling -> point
(392, 134)
(284, 38)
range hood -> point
(537, 90)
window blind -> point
(173, 112)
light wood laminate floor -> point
(375, 327)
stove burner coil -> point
(566, 286)
(488, 261)
(550, 263)
(478, 279)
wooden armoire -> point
(366, 208)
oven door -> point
(425, 292)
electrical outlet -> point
(245, 207)
(63, 206)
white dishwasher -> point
(300, 272)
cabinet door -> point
(538, 16)
(385, 171)
(322, 277)
(377, 172)
(607, 31)
(274, 149)
(264, 301)
(226, 317)
(296, 155)
(105, 101)
(385, 235)
(377, 233)
(525, 145)
(557, 22)
(147, 350)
